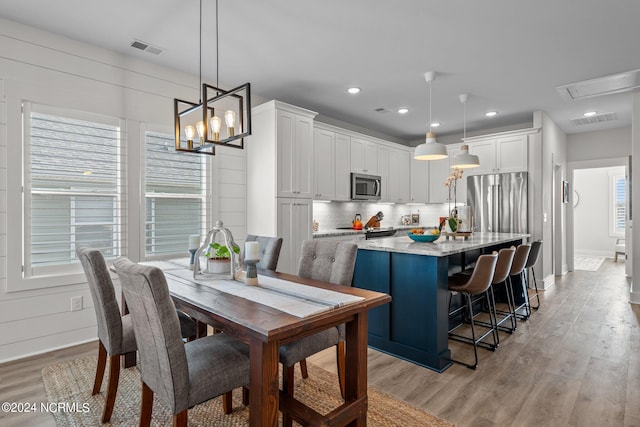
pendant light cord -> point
(217, 50)
(200, 57)
(430, 106)
(464, 121)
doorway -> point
(596, 213)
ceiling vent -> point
(381, 110)
(137, 44)
(598, 118)
(607, 85)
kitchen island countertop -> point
(440, 247)
(346, 232)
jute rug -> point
(71, 382)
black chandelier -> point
(221, 117)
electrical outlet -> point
(76, 303)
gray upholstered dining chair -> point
(115, 332)
(181, 374)
(269, 249)
(328, 261)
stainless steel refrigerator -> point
(498, 202)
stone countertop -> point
(440, 247)
(340, 232)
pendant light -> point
(431, 149)
(464, 160)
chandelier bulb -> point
(216, 124)
(230, 120)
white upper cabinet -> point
(364, 156)
(500, 154)
(324, 164)
(294, 155)
(342, 167)
(384, 170)
(486, 152)
(420, 180)
(399, 177)
(511, 153)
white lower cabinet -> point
(294, 218)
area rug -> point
(587, 263)
(71, 383)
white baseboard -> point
(50, 349)
(547, 282)
(634, 297)
(606, 254)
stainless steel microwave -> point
(365, 187)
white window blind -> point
(619, 207)
(73, 188)
(175, 196)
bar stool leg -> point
(535, 284)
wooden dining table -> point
(265, 329)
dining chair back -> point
(182, 375)
(327, 261)
(115, 332)
(269, 250)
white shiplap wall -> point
(73, 73)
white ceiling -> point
(508, 55)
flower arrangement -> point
(452, 184)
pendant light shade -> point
(431, 149)
(464, 160)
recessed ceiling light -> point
(490, 113)
(590, 113)
(435, 124)
(403, 110)
(353, 90)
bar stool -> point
(503, 268)
(534, 254)
(478, 283)
(517, 269)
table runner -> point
(293, 298)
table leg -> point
(263, 383)
(128, 359)
(356, 363)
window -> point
(618, 205)
(73, 184)
(175, 196)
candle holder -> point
(192, 261)
(252, 271)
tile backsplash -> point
(341, 214)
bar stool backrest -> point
(482, 275)
(520, 259)
(534, 254)
(503, 265)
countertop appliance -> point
(376, 233)
(499, 202)
(365, 187)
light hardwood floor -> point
(576, 362)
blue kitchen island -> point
(414, 326)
